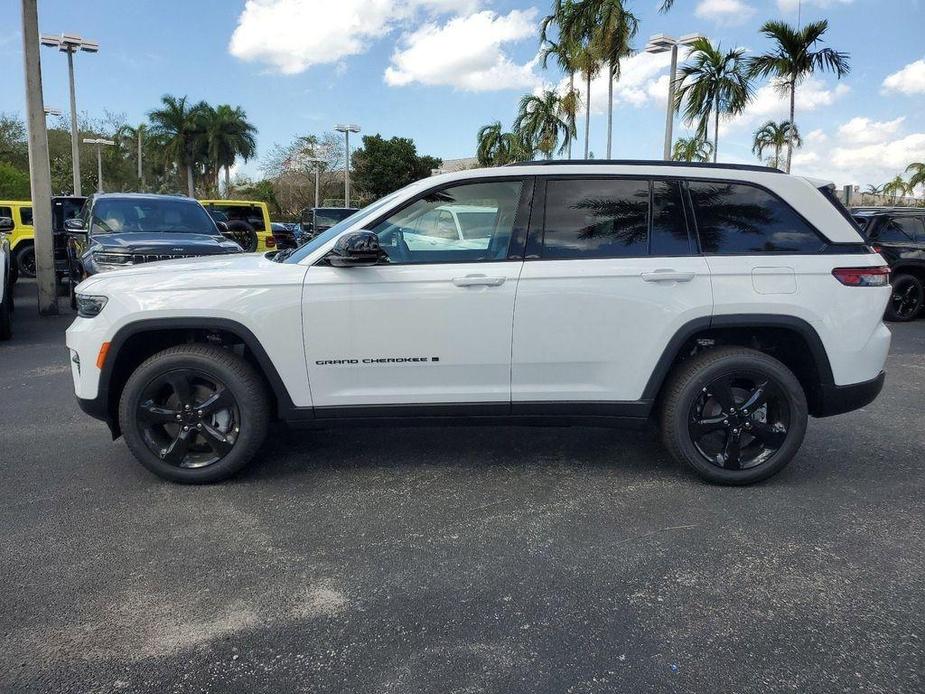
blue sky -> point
(435, 70)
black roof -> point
(646, 162)
(869, 211)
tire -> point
(6, 319)
(907, 298)
(25, 261)
(741, 445)
(244, 407)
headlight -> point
(89, 306)
(112, 260)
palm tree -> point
(565, 54)
(874, 190)
(713, 84)
(577, 28)
(776, 136)
(542, 122)
(180, 125)
(918, 176)
(896, 189)
(497, 147)
(228, 135)
(133, 138)
(691, 149)
(793, 59)
(616, 28)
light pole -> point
(661, 43)
(39, 169)
(99, 142)
(70, 44)
(346, 129)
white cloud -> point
(293, 35)
(816, 137)
(909, 80)
(793, 5)
(728, 12)
(466, 52)
(770, 103)
(864, 131)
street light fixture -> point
(346, 129)
(49, 111)
(662, 43)
(99, 142)
(70, 44)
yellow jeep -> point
(247, 213)
(22, 238)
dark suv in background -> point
(898, 234)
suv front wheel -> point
(194, 413)
(735, 415)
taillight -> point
(863, 276)
(876, 249)
(271, 242)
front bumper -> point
(835, 400)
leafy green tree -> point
(14, 183)
(793, 58)
(566, 53)
(228, 135)
(775, 136)
(382, 166)
(691, 149)
(917, 178)
(578, 24)
(896, 188)
(542, 122)
(497, 147)
(713, 84)
(181, 126)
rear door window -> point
(911, 227)
(669, 225)
(596, 218)
(25, 216)
(742, 219)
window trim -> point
(515, 249)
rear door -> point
(431, 327)
(610, 275)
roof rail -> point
(645, 162)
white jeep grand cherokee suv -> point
(725, 302)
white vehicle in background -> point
(6, 280)
(726, 303)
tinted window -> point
(891, 231)
(25, 215)
(912, 226)
(427, 230)
(734, 218)
(330, 217)
(669, 226)
(252, 215)
(116, 216)
(6, 212)
(596, 218)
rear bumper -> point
(836, 400)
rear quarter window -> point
(742, 219)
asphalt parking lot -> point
(457, 559)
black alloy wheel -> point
(195, 413)
(25, 261)
(907, 298)
(739, 421)
(188, 418)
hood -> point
(165, 243)
(238, 270)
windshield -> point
(126, 215)
(341, 226)
(326, 218)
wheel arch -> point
(787, 338)
(138, 340)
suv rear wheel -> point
(907, 298)
(25, 261)
(735, 415)
(194, 413)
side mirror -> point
(222, 227)
(357, 249)
(6, 224)
(75, 224)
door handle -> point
(667, 276)
(478, 281)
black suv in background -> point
(315, 220)
(898, 234)
(118, 230)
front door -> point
(611, 274)
(433, 325)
